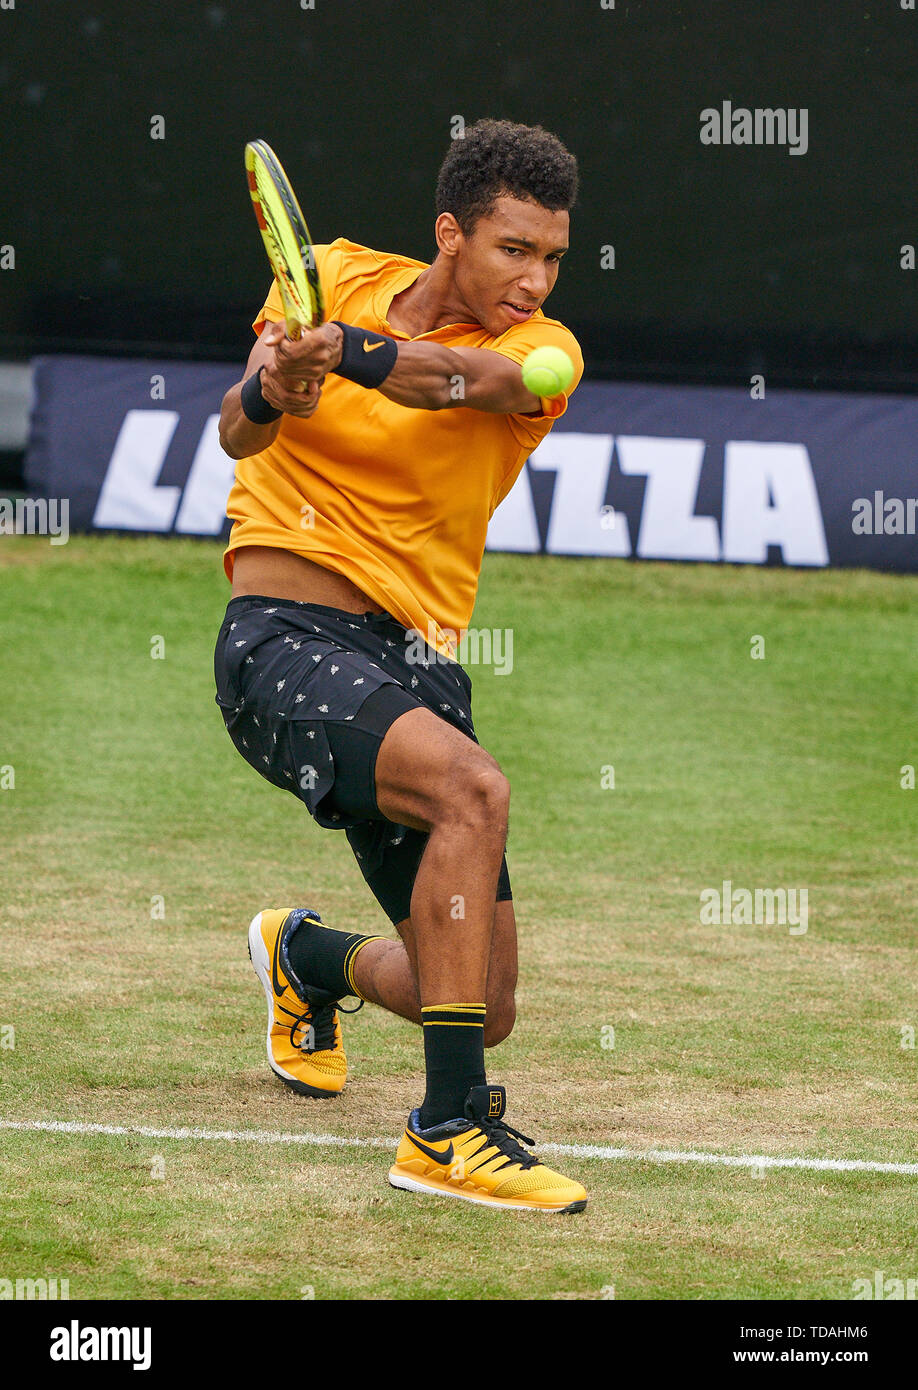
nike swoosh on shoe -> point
(279, 989)
(438, 1157)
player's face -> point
(508, 265)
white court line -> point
(235, 1136)
(266, 1136)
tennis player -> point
(372, 453)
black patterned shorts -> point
(307, 693)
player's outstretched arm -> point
(424, 376)
(431, 377)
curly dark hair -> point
(497, 157)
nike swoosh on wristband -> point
(370, 347)
(435, 1154)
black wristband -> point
(366, 357)
(254, 405)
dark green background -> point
(729, 260)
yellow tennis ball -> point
(547, 372)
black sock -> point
(324, 958)
(454, 1054)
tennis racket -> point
(286, 238)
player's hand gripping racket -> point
(286, 238)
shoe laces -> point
(508, 1141)
(321, 1019)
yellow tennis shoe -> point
(304, 1034)
(481, 1159)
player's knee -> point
(482, 795)
(499, 1021)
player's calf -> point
(499, 1020)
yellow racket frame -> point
(286, 238)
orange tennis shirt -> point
(395, 498)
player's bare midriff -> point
(276, 573)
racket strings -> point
(286, 238)
(289, 249)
